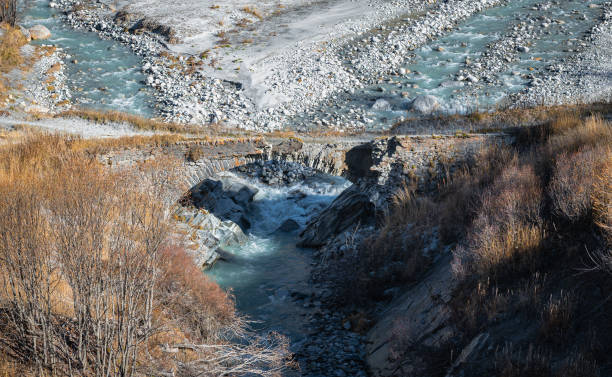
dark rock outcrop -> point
(288, 226)
(350, 208)
(225, 198)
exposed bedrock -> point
(351, 207)
(382, 167)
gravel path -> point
(79, 127)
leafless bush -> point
(460, 197)
(200, 305)
(266, 357)
(28, 272)
(8, 12)
(573, 182)
(508, 228)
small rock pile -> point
(277, 173)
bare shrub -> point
(508, 229)
(557, 317)
(27, 272)
(8, 12)
(200, 305)
(573, 182)
(460, 197)
(89, 284)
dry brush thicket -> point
(530, 228)
(93, 280)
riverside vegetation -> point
(94, 282)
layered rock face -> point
(351, 207)
(225, 198)
(378, 170)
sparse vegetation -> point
(137, 121)
(252, 11)
(10, 45)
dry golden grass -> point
(137, 121)
(602, 198)
(10, 55)
(253, 11)
(495, 121)
(570, 134)
(10, 45)
(557, 317)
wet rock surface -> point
(207, 234)
(276, 172)
(225, 198)
(350, 208)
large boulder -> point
(425, 104)
(350, 208)
(381, 105)
(39, 32)
(225, 197)
(208, 234)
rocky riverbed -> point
(304, 79)
(244, 226)
(584, 77)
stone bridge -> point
(380, 161)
